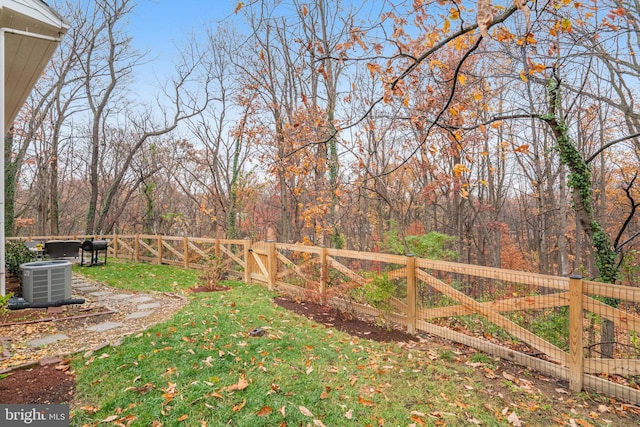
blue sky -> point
(157, 26)
(158, 22)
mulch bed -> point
(344, 322)
(41, 384)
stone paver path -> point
(105, 326)
(139, 314)
(140, 299)
(101, 293)
(118, 296)
(49, 339)
(143, 307)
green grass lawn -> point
(203, 367)
(139, 276)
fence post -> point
(185, 249)
(576, 349)
(247, 260)
(159, 249)
(411, 294)
(272, 264)
(136, 248)
(115, 245)
(324, 275)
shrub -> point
(16, 253)
(213, 272)
(377, 293)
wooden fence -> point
(547, 323)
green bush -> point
(16, 253)
(432, 245)
(377, 293)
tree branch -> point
(634, 207)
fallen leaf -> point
(183, 417)
(349, 414)
(265, 410)
(509, 377)
(318, 423)
(168, 397)
(241, 385)
(514, 420)
(490, 374)
(305, 411)
(417, 419)
(64, 367)
(365, 402)
(239, 406)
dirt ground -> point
(54, 383)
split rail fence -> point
(547, 323)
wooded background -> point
(507, 130)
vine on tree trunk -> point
(579, 180)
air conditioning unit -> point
(46, 281)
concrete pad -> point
(49, 339)
(105, 326)
(139, 314)
(143, 307)
(140, 299)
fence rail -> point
(556, 325)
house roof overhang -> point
(32, 33)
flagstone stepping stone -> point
(143, 307)
(140, 299)
(49, 339)
(105, 326)
(119, 296)
(86, 288)
(100, 294)
(139, 314)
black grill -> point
(94, 247)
